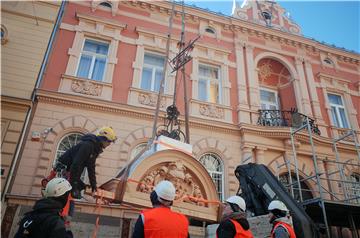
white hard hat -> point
(165, 190)
(238, 201)
(276, 204)
(57, 187)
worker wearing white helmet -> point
(160, 221)
(234, 222)
(279, 217)
(44, 220)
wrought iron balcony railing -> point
(277, 118)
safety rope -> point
(99, 202)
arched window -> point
(105, 4)
(67, 142)
(137, 149)
(305, 190)
(355, 188)
(328, 61)
(214, 166)
(210, 30)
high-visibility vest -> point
(287, 227)
(240, 232)
(162, 222)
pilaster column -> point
(137, 66)
(253, 81)
(351, 111)
(260, 155)
(243, 104)
(305, 101)
(195, 77)
(298, 97)
(313, 93)
(226, 85)
(247, 154)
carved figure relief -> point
(86, 87)
(175, 172)
(150, 100)
(265, 71)
(211, 111)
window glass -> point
(268, 100)
(152, 72)
(305, 190)
(209, 84)
(338, 112)
(93, 59)
(355, 188)
(67, 142)
(214, 166)
(137, 150)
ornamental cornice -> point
(241, 26)
(105, 21)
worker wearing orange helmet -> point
(160, 221)
(84, 155)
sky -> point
(332, 22)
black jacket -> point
(83, 155)
(226, 229)
(44, 221)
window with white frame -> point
(209, 84)
(214, 166)
(152, 72)
(338, 112)
(268, 99)
(93, 60)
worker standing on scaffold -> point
(160, 221)
(279, 217)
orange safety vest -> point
(162, 222)
(287, 227)
(240, 232)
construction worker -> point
(83, 155)
(280, 219)
(44, 220)
(160, 221)
(234, 223)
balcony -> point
(277, 118)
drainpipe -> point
(30, 111)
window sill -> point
(210, 111)
(85, 87)
(143, 98)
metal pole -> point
(322, 204)
(161, 91)
(356, 143)
(341, 170)
(296, 164)
(353, 226)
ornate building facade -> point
(248, 76)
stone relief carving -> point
(212, 111)
(150, 100)
(265, 71)
(86, 87)
(175, 172)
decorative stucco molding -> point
(86, 87)
(150, 99)
(179, 175)
(211, 111)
